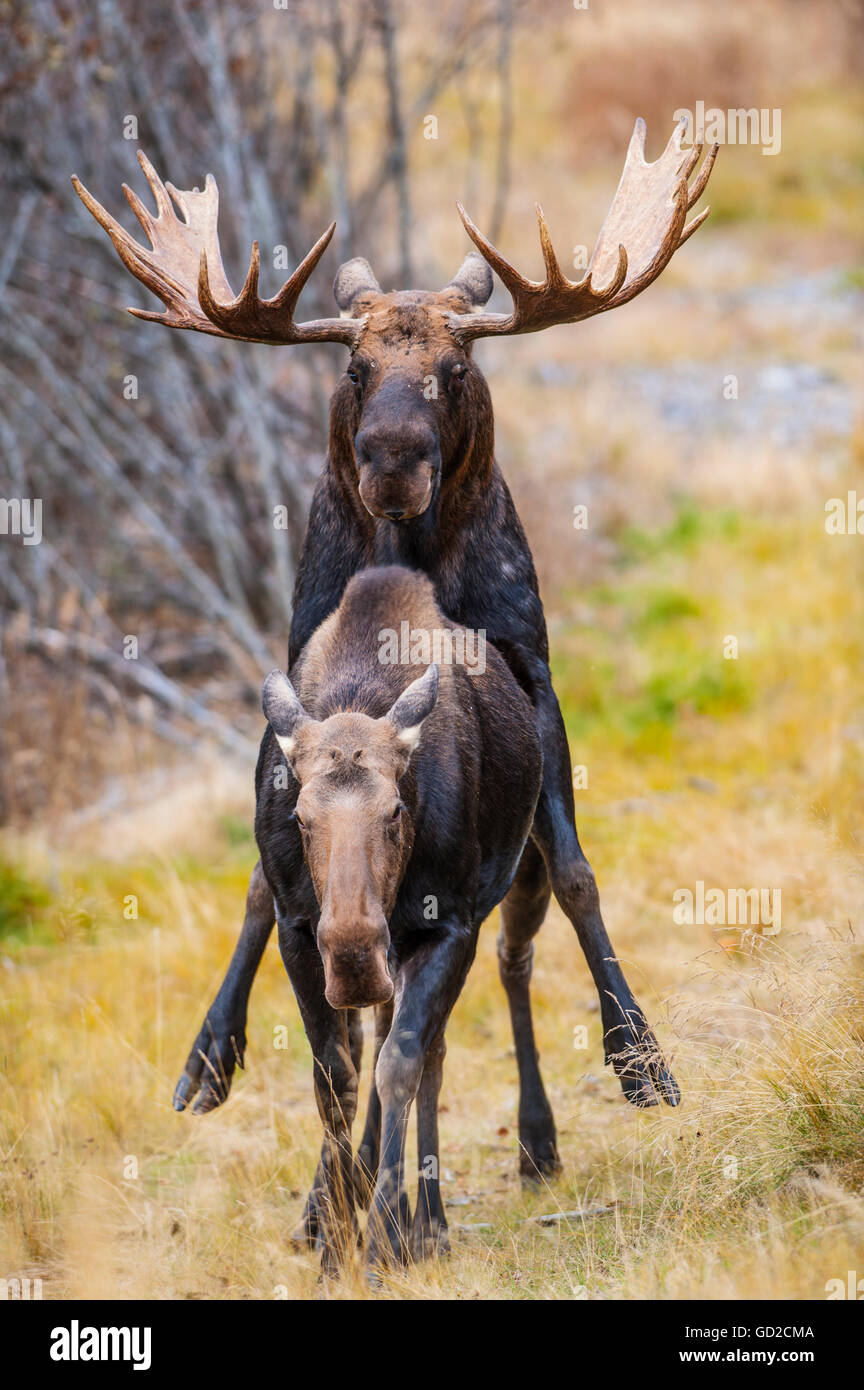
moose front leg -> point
(366, 1162)
(329, 1216)
(429, 1228)
(221, 1043)
(629, 1043)
(427, 987)
(305, 1233)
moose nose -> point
(398, 460)
(354, 954)
(392, 450)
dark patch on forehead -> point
(346, 780)
(344, 775)
(413, 324)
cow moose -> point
(416, 797)
(411, 479)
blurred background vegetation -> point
(158, 510)
(706, 518)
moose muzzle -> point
(398, 455)
(355, 963)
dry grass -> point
(766, 1033)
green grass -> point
(23, 905)
(652, 656)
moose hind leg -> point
(522, 914)
(428, 1236)
(629, 1043)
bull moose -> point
(416, 797)
(411, 479)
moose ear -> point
(473, 279)
(283, 711)
(353, 278)
(413, 706)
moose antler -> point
(644, 227)
(183, 267)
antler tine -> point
(507, 274)
(692, 160)
(248, 316)
(157, 187)
(697, 188)
(144, 217)
(105, 220)
(183, 267)
(691, 227)
(615, 283)
(554, 273)
(124, 244)
(643, 229)
(247, 297)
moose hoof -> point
(304, 1236)
(537, 1163)
(638, 1063)
(430, 1240)
(217, 1050)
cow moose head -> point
(411, 399)
(356, 831)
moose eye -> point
(457, 378)
(301, 824)
(396, 814)
(352, 376)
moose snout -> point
(396, 468)
(389, 446)
(355, 963)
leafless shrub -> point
(159, 459)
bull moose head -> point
(399, 341)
